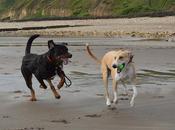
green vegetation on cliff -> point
(38, 9)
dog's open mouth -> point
(65, 58)
(65, 61)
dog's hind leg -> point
(53, 89)
(125, 89)
(134, 95)
(28, 78)
(42, 84)
(105, 73)
(133, 81)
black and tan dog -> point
(44, 66)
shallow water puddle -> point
(155, 77)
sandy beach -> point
(82, 105)
(145, 27)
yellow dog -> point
(119, 64)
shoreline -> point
(161, 28)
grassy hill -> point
(44, 9)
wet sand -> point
(82, 106)
(146, 27)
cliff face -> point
(31, 9)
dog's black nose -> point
(70, 55)
(114, 66)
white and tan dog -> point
(119, 64)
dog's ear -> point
(130, 56)
(51, 44)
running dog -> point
(119, 64)
(44, 66)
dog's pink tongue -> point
(65, 61)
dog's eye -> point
(115, 58)
(121, 57)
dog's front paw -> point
(108, 102)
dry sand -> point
(82, 106)
(156, 28)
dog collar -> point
(52, 59)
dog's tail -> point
(29, 43)
(92, 55)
